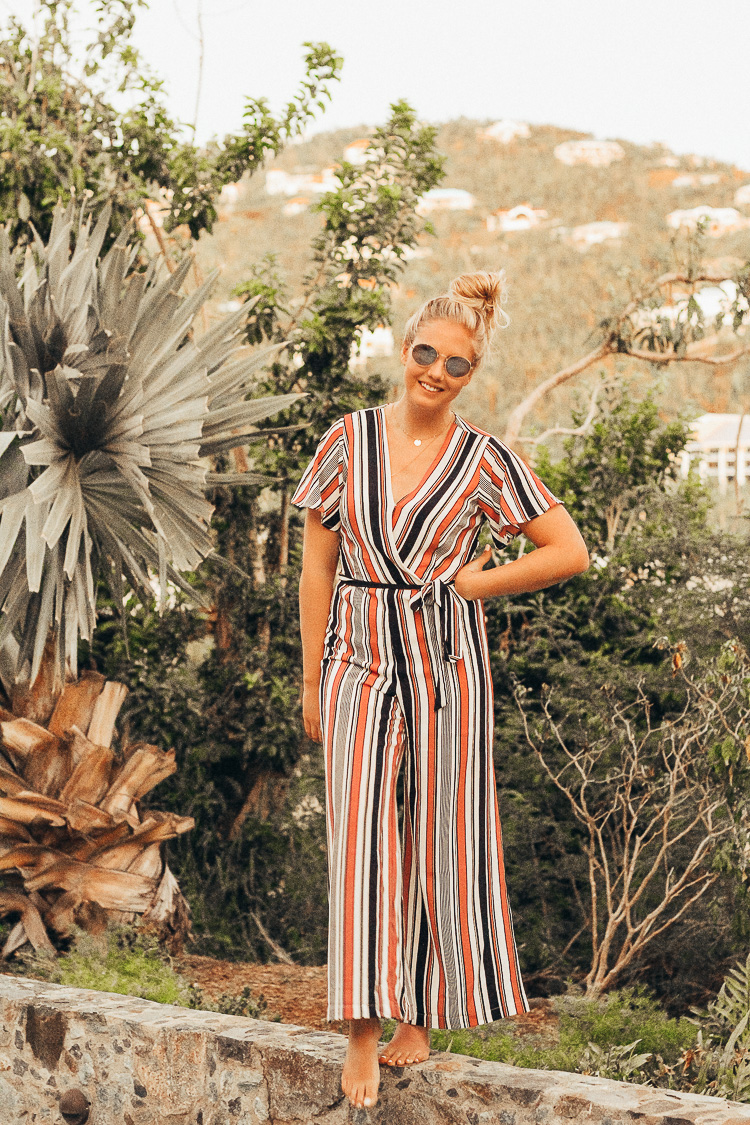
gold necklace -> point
(415, 441)
(402, 470)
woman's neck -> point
(418, 422)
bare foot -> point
(360, 1077)
(410, 1044)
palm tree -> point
(111, 410)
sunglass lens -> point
(457, 366)
(424, 354)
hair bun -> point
(484, 292)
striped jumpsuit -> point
(421, 933)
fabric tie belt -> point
(442, 634)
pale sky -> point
(668, 70)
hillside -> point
(558, 293)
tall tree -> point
(63, 130)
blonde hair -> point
(473, 300)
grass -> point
(603, 1036)
(131, 962)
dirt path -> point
(298, 994)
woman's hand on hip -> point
(465, 582)
(311, 712)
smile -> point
(427, 387)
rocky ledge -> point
(70, 1055)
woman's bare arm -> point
(320, 555)
(561, 553)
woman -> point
(396, 666)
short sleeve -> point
(511, 493)
(322, 482)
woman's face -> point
(432, 388)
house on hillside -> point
(742, 196)
(721, 220)
(356, 151)
(695, 179)
(596, 153)
(714, 301)
(296, 206)
(445, 199)
(372, 343)
(504, 131)
(279, 182)
(521, 217)
(301, 181)
(590, 234)
(318, 183)
(229, 197)
(721, 446)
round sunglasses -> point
(457, 366)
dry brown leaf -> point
(10, 903)
(83, 817)
(106, 710)
(27, 812)
(112, 890)
(145, 768)
(21, 737)
(90, 779)
(75, 706)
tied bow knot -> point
(439, 602)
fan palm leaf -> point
(111, 408)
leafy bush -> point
(122, 960)
(592, 1036)
(131, 962)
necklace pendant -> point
(417, 441)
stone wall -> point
(67, 1053)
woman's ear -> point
(404, 353)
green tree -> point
(658, 571)
(63, 131)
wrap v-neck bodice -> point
(389, 499)
(433, 530)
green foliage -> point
(609, 475)
(63, 133)
(132, 962)
(601, 1031)
(122, 960)
(244, 1004)
(594, 637)
(721, 1060)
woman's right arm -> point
(320, 556)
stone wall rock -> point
(140, 1063)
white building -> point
(596, 153)
(521, 217)
(721, 220)
(695, 179)
(356, 152)
(296, 206)
(742, 196)
(504, 131)
(230, 195)
(372, 343)
(590, 234)
(721, 446)
(445, 199)
(713, 301)
(279, 182)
